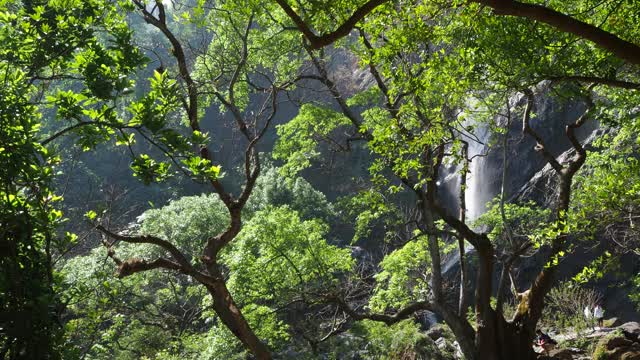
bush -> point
(566, 303)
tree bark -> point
(232, 318)
(462, 300)
(621, 48)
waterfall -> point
(479, 191)
(480, 184)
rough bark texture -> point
(232, 318)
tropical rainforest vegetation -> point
(200, 179)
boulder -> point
(631, 331)
(630, 356)
(611, 322)
(621, 345)
(441, 343)
(561, 354)
(435, 332)
(617, 342)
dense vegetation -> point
(256, 179)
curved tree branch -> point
(343, 30)
(137, 265)
(621, 48)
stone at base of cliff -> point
(631, 330)
(611, 322)
(630, 356)
(624, 344)
(560, 354)
(435, 332)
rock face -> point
(624, 344)
(524, 162)
(436, 332)
(563, 354)
(631, 331)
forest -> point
(307, 179)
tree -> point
(278, 257)
(42, 45)
(439, 71)
(222, 74)
(434, 68)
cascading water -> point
(478, 190)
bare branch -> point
(329, 38)
(324, 78)
(526, 128)
(581, 153)
(148, 239)
(400, 315)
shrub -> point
(566, 303)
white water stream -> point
(478, 192)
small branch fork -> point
(135, 265)
(329, 38)
(542, 283)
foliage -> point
(264, 264)
(299, 138)
(291, 252)
(403, 340)
(403, 276)
(439, 71)
(608, 188)
(588, 345)
(369, 208)
(181, 147)
(277, 258)
(607, 200)
(188, 222)
(566, 304)
(28, 216)
(442, 70)
(523, 222)
(45, 42)
(272, 189)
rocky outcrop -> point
(436, 332)
(561, 354)
(623, 344)
(631, 331)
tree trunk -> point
(233, 319)
(513, 340)
(462, 300)
(503, 340)
(486, 341)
